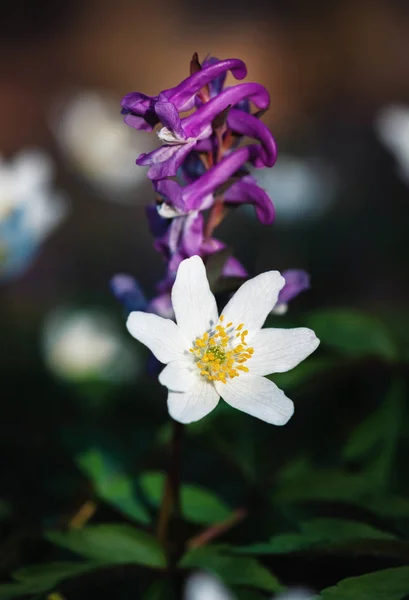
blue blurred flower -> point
(30, 209)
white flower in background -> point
(89, 129)
(30, 209)
(208, 356)
(202, 586)
(392, 127)
(86, 344)
(299, 188)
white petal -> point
(279, 350)
(258, 397)
(195, 404)
(162, 336)
(201, 586)
(180, 375)
(253, 301)
(193, 302)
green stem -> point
(171, 503)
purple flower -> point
(180, 136)
(296, 281)
(141, 111)
(128, 292)
(246, 191)
(199, 195)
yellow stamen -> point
(216, 355)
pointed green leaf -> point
(8, 591)
(53, 573)
(304, 372)
(112, 544)
(198, 505)
(316, 533)
(353, 333)
(389, 584)
(112, 484)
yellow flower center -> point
(222, 352)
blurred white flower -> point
(91, 133)
(298, 188)
(392, 127)
(201, 586)
(87, 344)
(29, 209)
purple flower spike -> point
(180, 135)
(296, 281)
(140, 110)
(246, 191)
(202, 164)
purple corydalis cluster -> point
(200, 172)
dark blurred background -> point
(338, 75)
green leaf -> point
(315, 533)
(353, 333)
(198, 505)
(304, 372)
(322, 485)
(112, 484)
(376, 439)
(17, 590)
(111, 544)
(233, 570)
(52, 573)
(201, 506)
(390, 584)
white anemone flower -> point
(208, 356)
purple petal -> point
(172, 193)
(248, 125)
(183, 95)
(193, 167)
(158, 226)
(296, 281)
(127, 291)
(247, 191)
(140, 111)
(211, 246)
(234, 268)
(166, 160)
(195, 124)
(218, 174)
(162, 306)
(169, 116)
(192, 235)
